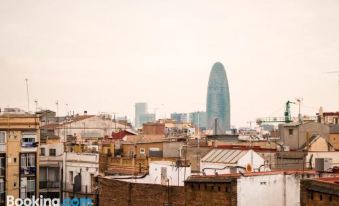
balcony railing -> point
(28, 170)
(29, 144)
(49, 184)
(83, 189)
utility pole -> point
(57, 107)
(36, 105)
(27, 91)
(299, 100)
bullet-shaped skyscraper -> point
(218, 100)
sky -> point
(104, 56)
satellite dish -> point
(249, 168)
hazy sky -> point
(103, 56)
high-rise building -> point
(140, 109)
(19, 163)
(180, 117)
(145, 118)
(199, 119)
(218, 100)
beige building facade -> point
(19, 144)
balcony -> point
(80, 189)
(29, 144)
(49, 184)
(28, 170)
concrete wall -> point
(59, 147)
(267, 190)
(299, 136)
(85, 163)
(135, 148)
(12, 170)
(194, 154)
(253, 159)
(171, 149)
(175, 175)
(334, 139)
(320, 145)
(153, 129)
(92, 125)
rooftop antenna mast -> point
(27, 92)
(57, 107)
(36, 105)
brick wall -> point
(211, 193)
(115, 192)
(313, 192)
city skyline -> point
(107, 59)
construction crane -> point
(287, 113)
(287, 118)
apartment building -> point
(19, 165)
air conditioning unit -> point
(323, 164)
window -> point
(42, 151)
(71, 177)
(290, 131)
(2, 166)
(28, 139)
(52, 152)
(142, 150)
(31, 185)
(321, 197)
(28, 160)
(2, 141)
(310, 195)
(2, 186)
(92, 180)
(2, 137)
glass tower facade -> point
(140, 109)
(218, 100)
